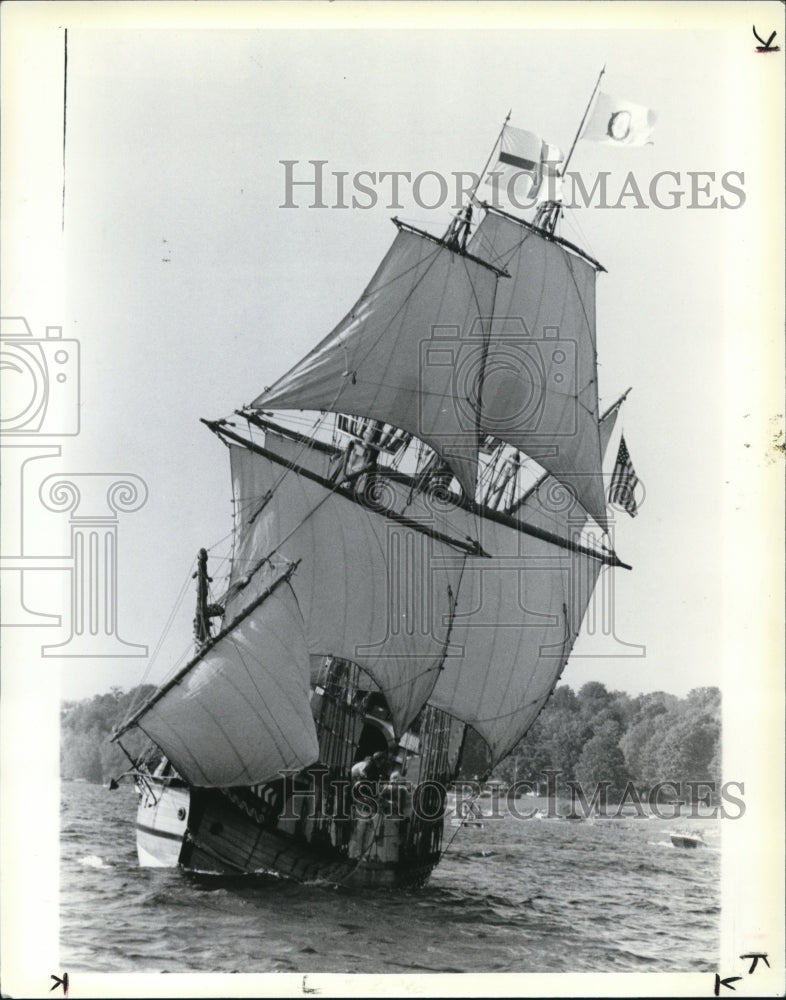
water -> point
(514, 896)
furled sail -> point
(539, 389)
(394, 357)
(517, 619)
(373, 590)
(240, 713)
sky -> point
(189, 287)
(157, 239)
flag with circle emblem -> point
(620, 123)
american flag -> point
(624, 482)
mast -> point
(551, 296)
(584, 118)
(458, 230)
(207, 647)
(616, 405)
(204, 610)
(549, 212)
(490, 156)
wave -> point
(93, 861)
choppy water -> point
(514, 896)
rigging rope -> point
(153, 656)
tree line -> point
(86, 728)
(596, 735)
(590, 736)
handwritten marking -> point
(725, 982)
(60, 982)
(765, 46)
(756, 955)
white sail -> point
(553, 507)
(517, 619)
(606, 426)
(539, 388)
(521, 614)
(370, 589)
(241, 714)
(397, 356)
(321, 460)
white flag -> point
(619, 123)
(526, 170)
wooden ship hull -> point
(313, 826)
(223, 839)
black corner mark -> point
(725, 982)
(60, 982)
(756, 955)
(765, 46)
(308, 989)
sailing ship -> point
(409, 573)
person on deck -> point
(371, 768)
(365, 776)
